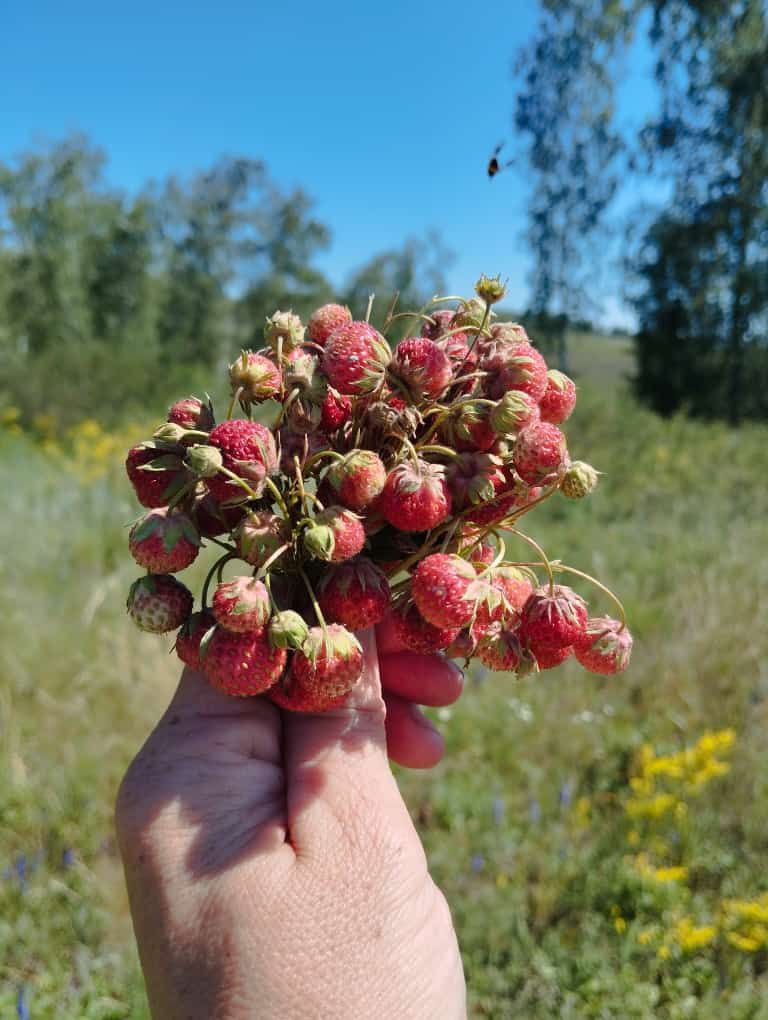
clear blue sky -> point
(385, 114)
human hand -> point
(272, 867)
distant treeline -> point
(108, 300)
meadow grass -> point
(526, 823)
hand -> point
(272, 867)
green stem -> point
(313, 600)
(557, 565)
(209, 577)
(233, 401)
(317, 457)
(545, 559)
(278, 497)
(275, 556)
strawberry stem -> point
(313, 600)
(545, 560)
(233, 401)
(275, 556)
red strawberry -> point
(548, 657)
(248, 449)
(159, 603)
(539, 453)
(507, 589)
(442, 587)
(255, 378)
(242, 664)
(514, 584)
(259, 535)
(500, 649)
(423, 366)
(554, 618)
(155, 486)
(334, 410)
(517, 366)
(191, 634)
(356, 593)
(336, 534)
(415, 497)
(474, 478)
(417, 634)
(440, 323)
(355, 358)
(164, 541)
(462, 647)
(605, 646)
(494, 510)
(192, 413)
(358, 479)
(241, 605)
(326, 320)
(323, 672)
(559, 398)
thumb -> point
(338, 779)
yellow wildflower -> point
(691, 937)
(651, 807)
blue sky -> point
(386, 115)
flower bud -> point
(204, 461)
(470, 313)
(319, 542)
(284, 326)
(169, 432)
(288, 629)
(490, 289)
(579, 480)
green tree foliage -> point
(108, 300)
(564, 112)
(703, 308)
(701, 264)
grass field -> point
(588, 877)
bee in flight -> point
(494, 166)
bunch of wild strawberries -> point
(383, 484)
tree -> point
(565, 109)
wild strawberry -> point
(437, 324)
(579, 480)
(159, 603)
(334, 410)
(241, 664)
(559, 398)
(539, 453)
(357, 480)
(157, 477)
(516, 366)
(509, 333)
(255, 378)
(164, 541)
(474, 478)
(515, 411)
(325, 320)
(547, 657)
(356, 593)
(325, 670)
(500, 649)
(212, 518)
(247, 449)
(442, 587)
(417, 634)
(191, 634)
(259, 535)
(468, 428)
(605, 646)
(422, 366)
(553, 618)
(192, 413)
(283, 331)
(336, 534)
(241, 605)
(515, 585)
(355, 358)
(415, 496)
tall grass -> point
(677, 527)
